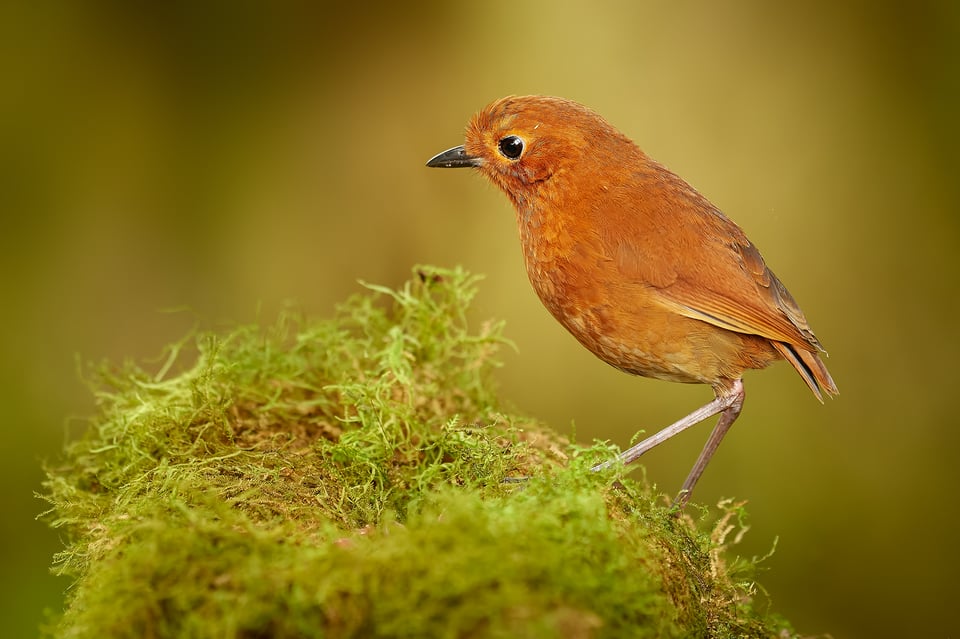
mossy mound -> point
(345, 478)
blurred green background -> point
(225, 156)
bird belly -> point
(623, 324)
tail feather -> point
(811, 368)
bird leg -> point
(727, 417)
(728, 403)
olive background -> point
(197, 164)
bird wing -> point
(746, 297)
(701, 265)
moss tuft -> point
(345, 478)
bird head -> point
(527, 144)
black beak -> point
(454, 158)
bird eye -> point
(511, 147)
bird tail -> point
(811, 368)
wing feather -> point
(699, 263)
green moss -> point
(344, 478)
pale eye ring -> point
(511, 147)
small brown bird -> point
(645, 272)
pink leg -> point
(727, 403)
(727, 417)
